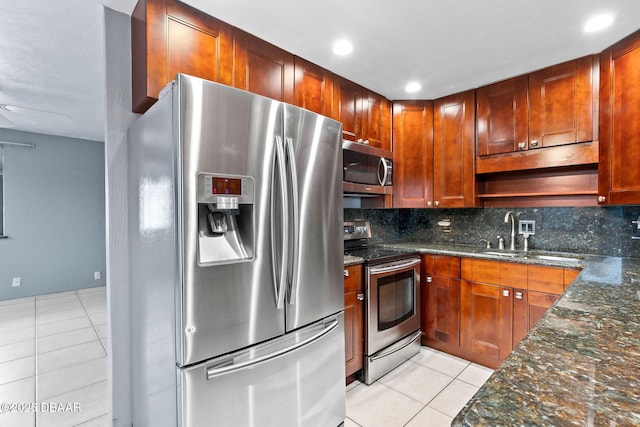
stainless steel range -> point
(392, 318)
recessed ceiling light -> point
(598, 22)
(413, 87)
(342, 48)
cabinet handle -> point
(518, 295)
(505, 292)
(360, 140)
(601, 199)
(360, 297)
(429, 203)
(522, 145)
(437, 203)
(533, 143)
(346, 273)
(429, 279)
(365, 142)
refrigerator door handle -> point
(293, 180)
(281, 276)
(226, 368)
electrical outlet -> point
(16, 282)
(97, 275)
(527, 227)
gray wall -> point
(592, 230)
(54, 214)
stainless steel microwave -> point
(366, 169)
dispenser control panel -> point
(226, 190)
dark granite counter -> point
(580, 365)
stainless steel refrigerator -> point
(236, 287)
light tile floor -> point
(53, 350)
(427, 390)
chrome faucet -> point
(512, 245)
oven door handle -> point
(394, 267)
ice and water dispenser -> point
(225, 218)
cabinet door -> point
(372, 120)
(169, 37)
(385, 139)
(537, 304)
(618, 171)
(347, 100)
(442, 320)
(563, 99)
(486, 320)
(412, 154)
(262, 68)
(503, 122)
(454, 151)
(353, 319)
(313, 88)
(520, 316)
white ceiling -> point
(52, 59)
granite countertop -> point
(580, 365)
(352, 260)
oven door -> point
(393, 303)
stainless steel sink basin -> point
(543, 257)
(506, 254)
(535, 255)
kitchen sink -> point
(565, 258)
(535, 255)
(506, 254)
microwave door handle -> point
(385, 171)
(293, 210)
(280, 278)
(394, 267)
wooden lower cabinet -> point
(486, 323)
(481, 309)
(353, 319)
(440, 320)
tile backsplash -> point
(592, 230)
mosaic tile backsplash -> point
(590, 230)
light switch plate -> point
(526, 227)
(16, 282)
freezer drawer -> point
(295, 380)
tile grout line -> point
(80, 388)
(93, 325)
(92, 419)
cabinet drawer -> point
(513, 275)
(353, 278)
(481, 270)
(442, 265)
(546, 279)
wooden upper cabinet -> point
(365, 115)
(503, 121)
(618, 171)
(347, 99)
(169, 37)
(563, 103)
(454, 150)
(376, 115)
(313, 88)
(412, 154)
(262, 68)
